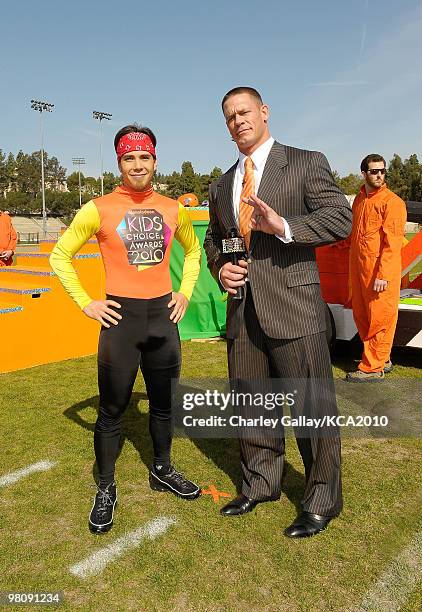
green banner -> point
(206, 315)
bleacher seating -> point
(34, 225)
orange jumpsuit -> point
(7, 238)
(375, 253)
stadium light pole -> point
(41, 107)
(101, 116)
(79, 161)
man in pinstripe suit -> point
(277, 331)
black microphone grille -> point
(233, 233)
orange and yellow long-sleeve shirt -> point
(135, 231)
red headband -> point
(134, 141)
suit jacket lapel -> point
(274, 171)
(225, 198)
(272, 177)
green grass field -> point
(205, 561)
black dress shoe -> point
(307, 524)
(239, 505)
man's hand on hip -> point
(180, 303)
(264, 218)
(380, 285)
(232, 277)
(100, 311)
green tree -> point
(72, 181)
(413, 178)
(17, 202)
(396, 177)
(25, 172)
(26, 176)
(54, 173)
(215, 173)
(350, 184)
(110, 182)
(92, 188)
(174, 185)
(58, 203)
(160, 178)
(204, 183)
(201, 188)
(10, 169)
(185, 182)
(188, 179)
(4, 179)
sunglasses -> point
(374, 171)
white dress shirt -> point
(259, 159)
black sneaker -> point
(101, 516)
(174, 482)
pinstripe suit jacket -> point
(284, 278)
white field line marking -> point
(395, 584)
(41, 466)
(95, 563)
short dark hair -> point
(134, 127)
(372, 157)
(240, 90)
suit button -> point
(249, 260)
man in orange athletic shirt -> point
(7, 240)
(135, 228)
(379, 217)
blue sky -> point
(340, 77)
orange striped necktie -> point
(245, 210)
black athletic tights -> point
(146, 338)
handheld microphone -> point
(234, 246)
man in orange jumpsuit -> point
(379, 217)
(7, 240)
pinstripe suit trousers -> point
(255, 356)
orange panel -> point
(411, 253)
(198, 215)
(46, 246)
(333, 265)
(416, 282)
(334, 288)
(46, 326)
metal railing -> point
(28, 238)
(36, 237)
